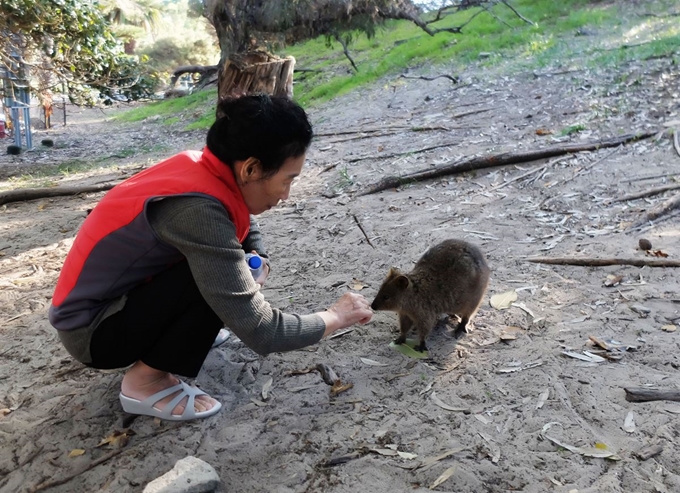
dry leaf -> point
(657, 253)
(76, 452)
(629, 422)
(444, 476)
(599, 451)
(543, 131)
(407, 455)
(438, 401)
(503, 301)
(4, 412)
(613, 281)
(542, 398)
(385, 451)
(265, 388)
(371, 362)
(590, 357)
(339, 387)
(667, 328)
(510, 333)
(117, 439)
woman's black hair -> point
(269, 128)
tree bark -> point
(482, 162)
(639, 394)
(256, 72)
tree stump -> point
(256, 72)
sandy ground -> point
(512, 396)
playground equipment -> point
(17, 100)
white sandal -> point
(222, 337)
(146, 407)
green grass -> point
(560, 37)
(401, 44)
(192, 107)
(572, 129)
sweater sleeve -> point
(201, 230)
(254, 240)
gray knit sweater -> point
(202, 231)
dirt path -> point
(517, 392)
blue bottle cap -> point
(254, 262)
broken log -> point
(658, 211)
(23, 194)
(256, 72)
(503, 159)
(602, 262)
(638, 394)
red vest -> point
(116, 249)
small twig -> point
(346, 51)
(66, 479)
(647, 193)
(473, 112)
(504, 2)
(406, 153)
(593, 164)
(101, 460)
(328, 168)
(452, 78)
(652, 177)
(676, 144)
(601, 262)
(528, 173)
(658, 211)
(362, 230)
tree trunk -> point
(256, 72)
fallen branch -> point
(639, 394)
(647, 193)
(381, 129)
(658, 211)
(398, 154)
(482, 162)
(362, 230)
(447, 76)
(66, 479)
(602, 262)
(23, 194)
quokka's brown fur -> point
(450, 278)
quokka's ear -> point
(394, 272)
(402, 281)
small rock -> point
(190, 475)
(645, 244)
(643, 311)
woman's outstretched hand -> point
(350, 309)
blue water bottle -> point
(256, 266)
